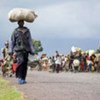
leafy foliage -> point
(37, 45)
(98, 50)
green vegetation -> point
(98, 50)
(37, 45)
(7, 92)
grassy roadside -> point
(7, 92)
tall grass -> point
(9, 93)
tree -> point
(98, 50)
(37, 45)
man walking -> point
(21, 45)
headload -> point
(18, 14)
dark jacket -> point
(21, 40)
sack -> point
(91, 52)
(18, 14)
(76, 62)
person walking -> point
(21, 45)
(21, 40)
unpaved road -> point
(62, 86)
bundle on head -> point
(18, 14)
(76, 62)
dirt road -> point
(62, 86)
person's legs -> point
(90, 67)
(57, 68)
(20, 67)
(24, 68)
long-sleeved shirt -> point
(21, 40)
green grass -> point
(9, 93)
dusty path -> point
(62, 86)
